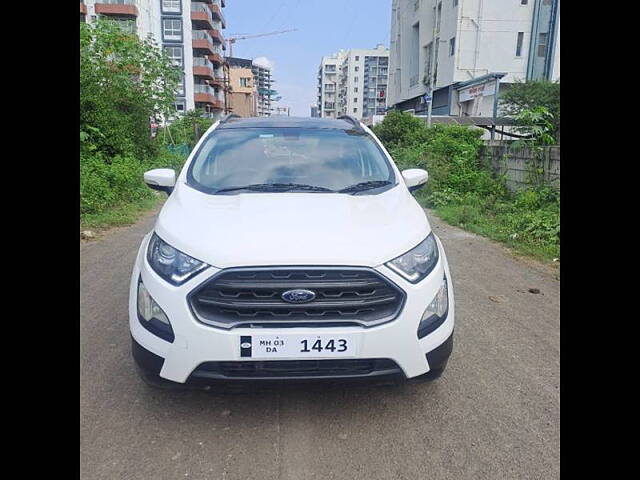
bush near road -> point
(466, 192)
(124, 82)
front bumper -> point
(196, 344)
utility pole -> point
(495, 107)
(434, 44)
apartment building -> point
(189, 32)
(264, 83)
(242, 94)
(328, 84)
(480, 47)
(353, 82)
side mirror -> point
(163, 179)
(415, 178)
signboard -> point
(481, 90)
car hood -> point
(258, 229)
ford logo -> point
(298, 296)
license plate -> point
(297, 346)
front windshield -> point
(328, 159)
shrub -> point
(466, 192)
(109, 182)
(400, 129)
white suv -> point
(290, 248)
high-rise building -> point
(264, 82)
(479, 46)
(315, 113)
(353, 82)
(189, 32)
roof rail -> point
(229, 116)
(352, 120)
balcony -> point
(207, 94)
(203, 67)
(117, 7)
(83, 8)
(216, 36)
(217, 81)
(202, 41)
(201, 16)
(217, 14)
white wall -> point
(492, 48)
(486, 33)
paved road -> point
(494, 414)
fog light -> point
(151, 316)
(436, 312)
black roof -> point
(278, 121)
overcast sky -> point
(324, 26)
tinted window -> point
(332, 159)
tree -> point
(124, 81)
(527, 96)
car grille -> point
(297, 368)
(252, 298)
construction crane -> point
(233, 40)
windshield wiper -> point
(362, 186)
(276, 187)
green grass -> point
(121, 215)
(501, 225)
(496, 228)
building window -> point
(452, 47)
(455, 3)
(524, 2)
(357, 68)
(180, 91)
(244, 82)
(355, 79)
(542, 44)
(172, 29)
(355, 100)
(355, 110)
(519, 44)
(357, 58)
(171, 6)
(546, 2)
(175, 54)
(414, 54)
(355, 89)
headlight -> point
(151, 316)
(436, 312)
(171, 264)
(418, 262)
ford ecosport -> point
(290, 248)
